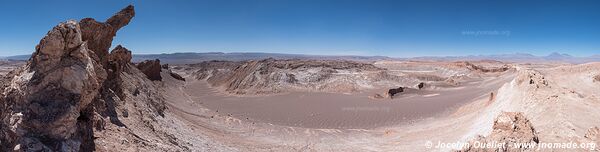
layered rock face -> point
(72, 94)
(275, 76)
(509, 128)
(151, 68)
(474, 67)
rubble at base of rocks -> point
(508, 128)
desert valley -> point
(73, 94)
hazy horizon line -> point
(309, 54)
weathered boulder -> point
(509, 128)
(392, 92)
(176, 76)
(151, 68)
(597, 78)
(421, 85)
(389, 94)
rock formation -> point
(274, 76)
(508, 128)
(597, 78)
(421, 85)
(389, 94)
(99, 35)
(118, 61)
(392, 92)
(176, 76)
(72, 95)
(151, 68)
(533, 78)
(474, 67)
(46, 98)
(171, 73)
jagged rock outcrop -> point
(597, 78)
(118, 61)
(151, 68)
(42, 106)
(508, 128)
(72, 95)
(99, 35)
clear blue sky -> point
(368, 27)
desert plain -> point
(75, 95)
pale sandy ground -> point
(560, 112)
(325, 121)
(341, 111)
(562, 105)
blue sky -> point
(394, 28)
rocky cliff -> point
(275, 76)
(73, 95)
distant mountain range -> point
(186, 58)
(16, 57)
(519, 57)
(182, 58)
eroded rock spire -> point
(99, 35)
(49, 104)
